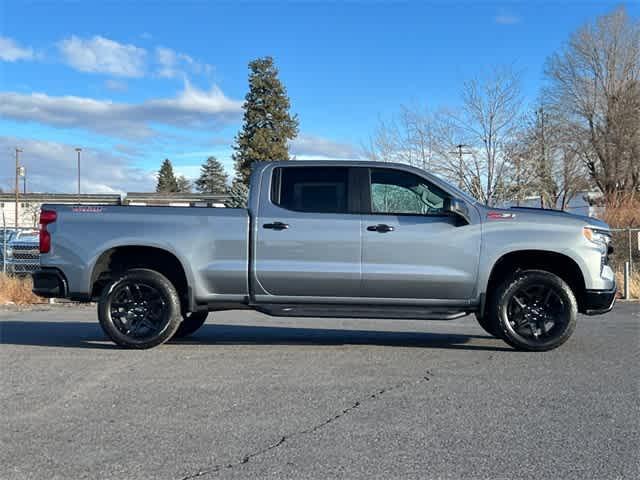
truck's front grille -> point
(26, 252)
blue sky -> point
(135, 82)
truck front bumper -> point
(49, 283)
(21, 267)
(597, 302)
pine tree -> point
(184, 184)
(213, 178)
(267, 124)
(167, 182)
(238, 194)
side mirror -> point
(457, 207)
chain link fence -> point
(626, 251)
(19, 250)
(626, 248)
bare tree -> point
(556, 173)
(595, 90)
(407, 138)
(31, 210)
(473, 147)
(488, 123)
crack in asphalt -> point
(314, 428)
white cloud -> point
(191, 108)
(314, 147)
(507, 19)
(51, 167)
(172, 64)
(102, 55)
(115, 85)
(10, 51)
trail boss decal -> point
(87, 209)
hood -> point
(552, 215)
(584, 218)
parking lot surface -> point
(250, 396)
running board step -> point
(353, 311)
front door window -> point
(403, 193)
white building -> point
(29, 204)
(581, 204)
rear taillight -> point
(46, 217)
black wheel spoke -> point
(536, 312)
(148, 323)
(521, 322)
(519, 302)
(138, 309)
(547, 297)
(128, 294)
(139, 294)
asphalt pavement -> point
(250, 396)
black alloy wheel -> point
(535, 310)
(140, 309)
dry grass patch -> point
(623, 210)
(17, 291)
(634, 287)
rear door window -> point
(311, 189)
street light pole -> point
(78, 150)
(22, 172)
(18, 151)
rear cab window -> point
(311, 189)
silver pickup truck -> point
(330, 239)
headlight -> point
(599, 237)
(9, 252)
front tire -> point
(488, 326)
(191, 322)
(139, 309)
(534, 311)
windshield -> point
(464, 195)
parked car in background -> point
(6, 235)
(23, 253)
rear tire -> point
(139, 309)
(190, 323)
(534, 311)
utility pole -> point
(23, 174)
(78, 150)
(459, 151)
(542, 152)
(18, 151)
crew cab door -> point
(411, 248)
(307, 241)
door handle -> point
(276, 226)
(381, 228)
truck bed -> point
(211, 243)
